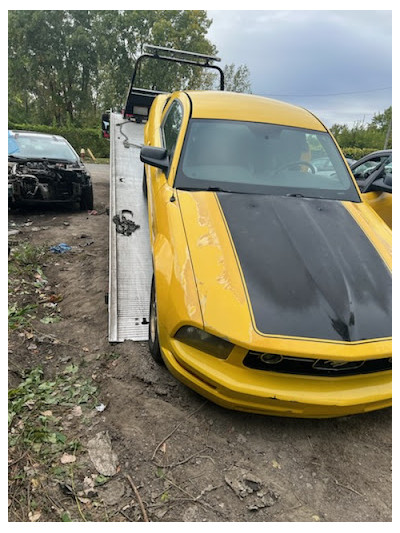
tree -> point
(237, 79)
(374, 135)
(67, 65)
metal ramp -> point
(130, 264)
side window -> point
(171, 127)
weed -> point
(20, 317)
(36, 407)
(27, 255)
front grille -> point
(316, 367)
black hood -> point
(309, 269)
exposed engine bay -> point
(47, 181)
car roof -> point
(38, 134)
(370, 156)
(252, 108)
(379, 152)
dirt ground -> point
(175, 456)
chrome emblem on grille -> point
(324, 364)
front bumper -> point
(230, 384)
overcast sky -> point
(308, 57)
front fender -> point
(176, 291)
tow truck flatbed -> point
(130, 265)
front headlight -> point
(204, 341)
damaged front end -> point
(40, 181)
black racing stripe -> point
(309, 269)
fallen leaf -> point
(47, 413)
(275, 464)
(84, 500)
(88, 482)
(35, 483)
(34, 517)
(56, 297)
(50, 319)
(85, 349)
(316, 518)
(77, 410)
(67, 458)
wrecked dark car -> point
(45, 169)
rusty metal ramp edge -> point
(130, 265)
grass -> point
(20, 317)
(26, 282)
(27, 257)
(37, 411)
(34, 405)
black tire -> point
(86, 201)
(144, 185)
(154, 345)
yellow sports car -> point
(272, 280)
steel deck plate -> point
(130, 264)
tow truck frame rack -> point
(139, 100)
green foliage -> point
(24, 262)
(101, 480)
(77, 137)
(363, 136)
(357, 153)
(27, 255)
(19, 316)
(237, 79)
(32, 410)
(65, 66)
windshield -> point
(41, 146)
(263, 158)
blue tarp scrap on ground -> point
(60, 248)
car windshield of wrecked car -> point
(252, 157)
(40, 147)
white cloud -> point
(312, 52)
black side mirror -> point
(154, 156)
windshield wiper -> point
(295, 195)
(217, 189)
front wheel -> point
(86, 201)
(154, 345)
